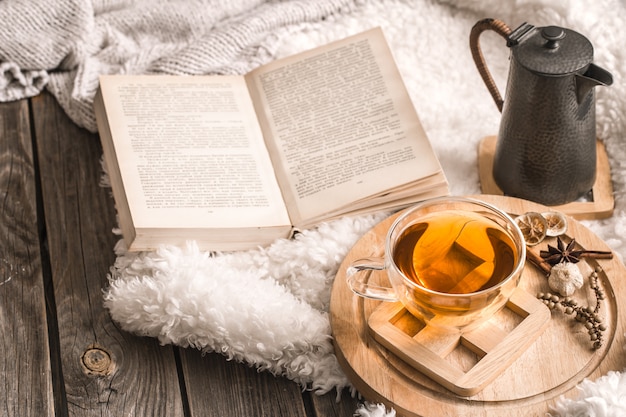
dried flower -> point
(565, 278)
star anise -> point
(566, 253)
(561, 253)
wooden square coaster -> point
(496, 344)
(600, 204)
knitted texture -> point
(67, 44)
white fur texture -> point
(269, 306)
(601, 398)
(266, 307)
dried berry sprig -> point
(590, 317)
(593, 283)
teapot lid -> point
(550, 50)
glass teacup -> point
(453, 262)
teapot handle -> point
(501, 29)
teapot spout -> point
(594, 76)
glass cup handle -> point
(358, 274)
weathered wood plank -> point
(25, 375)
(327, 405)
(217, 387)
(106, 371)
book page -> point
(342, 124)
(191, 152)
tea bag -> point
(456, 253)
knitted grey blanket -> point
(64, 45)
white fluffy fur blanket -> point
(268, 307)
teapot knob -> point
(553, 34)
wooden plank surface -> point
(62, 353)
(238, 390)
(216, 387)
(327, 405)
(25, 377)
(106, 371)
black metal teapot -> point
(546, 146)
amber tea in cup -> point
(453, 262)
(455, 252)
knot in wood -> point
(97, 361)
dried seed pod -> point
(557, 223)
(565, 278)
(534, 227)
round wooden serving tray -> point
(552, 366)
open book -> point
(234, 162)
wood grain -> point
(328, 405)
(602, 205)
(236, 389)
(26, 376)
(102, 370)
(552, 366)
(427, 350)
(140, 377)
